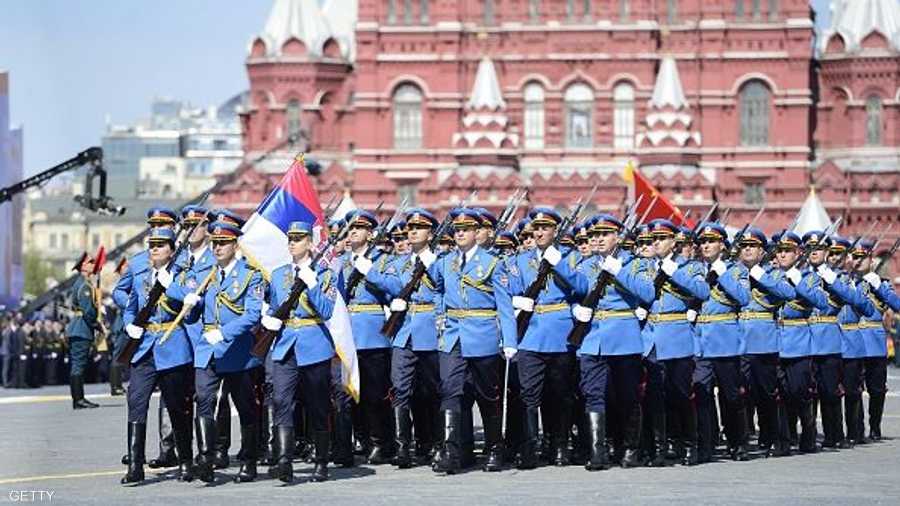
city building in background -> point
(739, 102)
(11, 274)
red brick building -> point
(739, 101)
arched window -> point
(408, 12)
(293, 118)
(423, 12)
(572, 8)
(873, 120)
(534, 116)
(756, 6)
(407, 117)
(579, 100)
(534, 11)
(739, 9)
(773, 10)
(672, 11)
(623, 116)
(391, 12)
(624, 10)
(488, 12)
(754, 104)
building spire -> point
(486, 92)
(812, 215)
(669, 121)
(668, 90)
(295, 19)
(854, 20)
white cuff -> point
(523, 303)
(271, 323)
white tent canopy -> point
(812, 216)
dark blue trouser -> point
(79, 349)
(240, 384)
(481, 373)
(876, 375)
(545, 373)
(669, 383)
(726, 373)
(413, 372)
(174, 386)
(314, 382)
(764, 388)
(829, 369)
(593, 382)
(797, 378)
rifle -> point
(661, 276)
(330, 208)
(887, 257)
(545, 268)
(395, 321)
(687, 215)
(146, 312)
(724, 219)
(264, 337)
(581, 329)
(383, 227)
(512, 207)
(840, 260)
(742, 232)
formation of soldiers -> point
(598, 343)
(33, 352)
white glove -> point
(363, 265)
(23, 357)
(308, 276)
(581, 313)
(54, 355)
(612, 265)
(719, 267)
(164, 277)
(509, 353)
(191, 300)
(523, 303)
(641, 313)
(213, 336)
(827, 274)
(398, 306)
(134, 331)
(691, 315)
(873, 279)
(669, 266)
(271, 323)
(552, 255)
(794, 276)
(427, 257)
(757, 272)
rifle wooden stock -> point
(395, 321)
(581, 329)
(141, 320)
(532, 292)
(265, 337)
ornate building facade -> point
(740, 101)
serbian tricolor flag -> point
(662, 208)
(265, 245)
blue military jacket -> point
(366, 306)
(552, 319)
(615, 329)
(870, 326)
(138, 263)
(233, 306)
(667, 327)
(305, 331)
(419, 326)
(796, 337)
(886, 294)
(177, 350)
(857, 308)
(759, 317)
(191, 275)
(718, 331)
(85, 320)
(827, 336)
(479, 312)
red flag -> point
(99, 260)
(662, 208)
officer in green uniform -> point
(81, 330)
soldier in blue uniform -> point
(414, 359)
(479, 321)
(720, 344)
(669, 343)
(769, 289)
(506, 244)
(400, 239)
(157, 217)
(366, 303)
(229, 307)
(795, 345)
(582, 241)
(827, 340)
(610, 355)
(81, 328)
(154, 363)
(874, 336)
(545, 362)
(302, 352)
(487, 223)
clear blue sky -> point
(73, 62)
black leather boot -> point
(782, 435)
(265, 435)
(562, 457)
(528, 456)
(206, 442)
(660, 440)
(599, 453)
(137, 434)
(283, 467)
(632, 440)
(838, 424)
(249, 445)
(379, 423)
(808, 425)
(403, 439)
(115, 380)
(449, 461)
(828, 430)
(738, 441)
(184, 446)
(689, 434)
(493, 444)
(342, 451)
(76, 389)
(223, 432)
(876, 410)
(322, 439)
